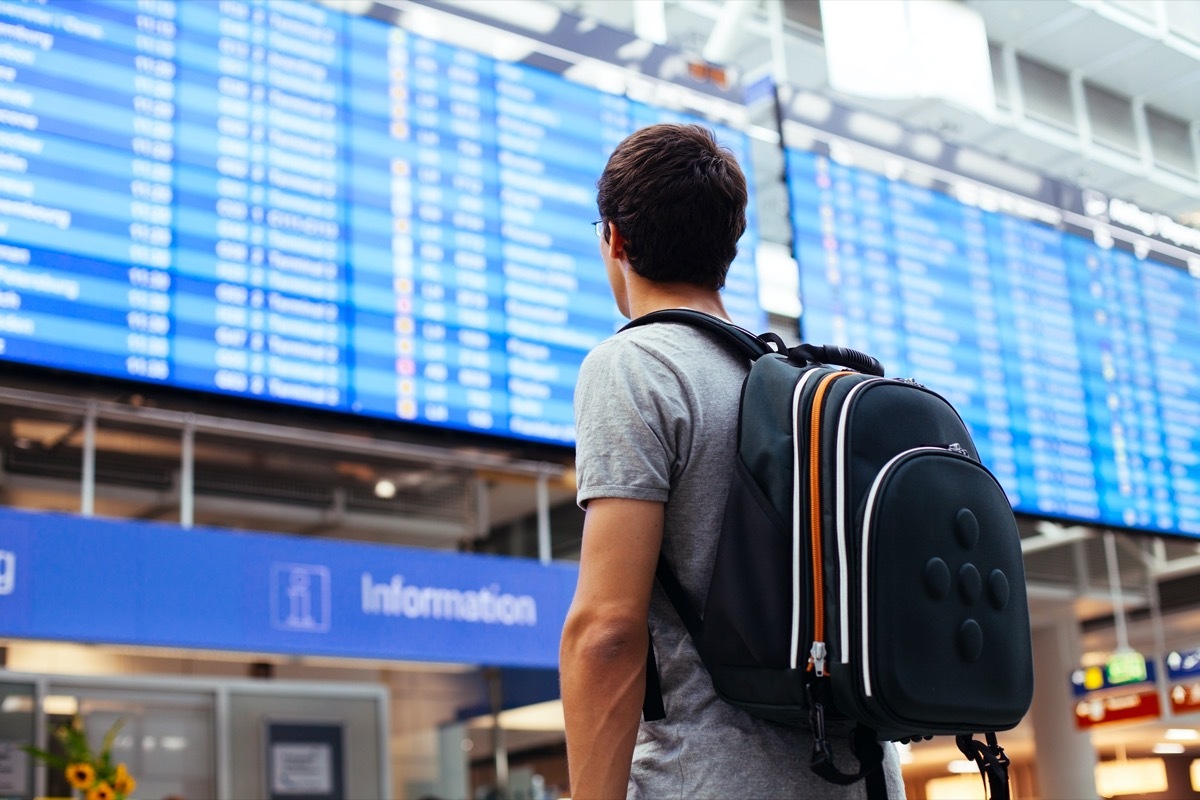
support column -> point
(1067, 763)
(545, 550)
(454, 768)
(87, 482)
(499, 745)
(187, 477)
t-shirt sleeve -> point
(630, 424)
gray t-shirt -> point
(656, 411)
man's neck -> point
(649, 296)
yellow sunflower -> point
(102, 791)
(123, 782)
(81, 775)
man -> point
(656, 410)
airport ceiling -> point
(1137, 52)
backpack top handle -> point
(842, 356)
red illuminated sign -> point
(1185, 697)
(1093, 711)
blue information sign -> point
(119, 582)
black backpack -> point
(869, 577)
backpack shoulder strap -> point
(991, 760)
(749, 346)
(653, 707)
(740, 339)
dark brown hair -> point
(679, 200)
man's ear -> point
(615, 243)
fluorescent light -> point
(635, 50)
(1132, 776)
(17, 704)
(598, 74)
(468, 34)
(926, 146)
(875, 129)
(962, 767)
(955, 787)
(763, 134)
(812, 106)
(1182, 734)
(356, 7)
(997, 171)
(61, 704)
(528, 14)
(1167, 748)
(796, 135)
(425, 23)
(546, 716)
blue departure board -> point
(1075, 363)
(278, 201)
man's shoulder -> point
(671, 343)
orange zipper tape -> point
(814, 503)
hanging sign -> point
(1122, 669)
(1102, 709)
(1185, 697)
(1183, 664)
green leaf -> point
(74, 740)
(47, 758)
(109, 738)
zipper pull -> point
(955, 447)
(817, 659)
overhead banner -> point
(64, 577)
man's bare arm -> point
(603, 653)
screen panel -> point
(282, 202)
(1072, 354)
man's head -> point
(679, 201)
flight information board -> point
(275, 200)
(1075, 363)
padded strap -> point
(678, 597)
(992, 763)
(752, 347)
(652, 704)
(653, 707)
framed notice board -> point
(305, 761)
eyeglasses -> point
(599, 225)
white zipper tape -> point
(797, 543)
(843, 562)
